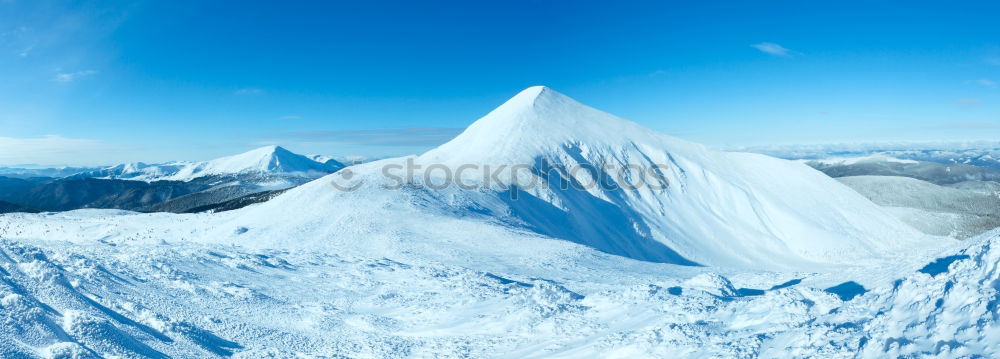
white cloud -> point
(52, 150)
(772, 49)
(248, 91)
(986, 82)
(72, 76)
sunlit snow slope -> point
(717, 208)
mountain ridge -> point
(266, 160)
(173, 187)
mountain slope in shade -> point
(265, 161)
(934, 209)
(7, 207)
(724, 209)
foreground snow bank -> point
(148, 292)
(947, 309)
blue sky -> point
(85, 83)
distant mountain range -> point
(167, 187)
(958, 200)
(942, 173)
(35, 172)
(984, 154)
(269, 161)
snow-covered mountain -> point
(718, 208)
(50, 172)
(265, 161)
(359, 264)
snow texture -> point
(790, 263)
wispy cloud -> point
(50, 149)
(17, 40)
(967, 101)
(824, 150)
(771, 48)
(72, 76)
(25, 51)
(248, 91)
(985, 82)
(968, 125)
(424, 136)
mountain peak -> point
(542, 110)
(537, 120)
(267, 150)
(531, 95)
(265, 159)
(534, 98)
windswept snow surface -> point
(790, 263)
(99, 283)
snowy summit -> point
(719, 208)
